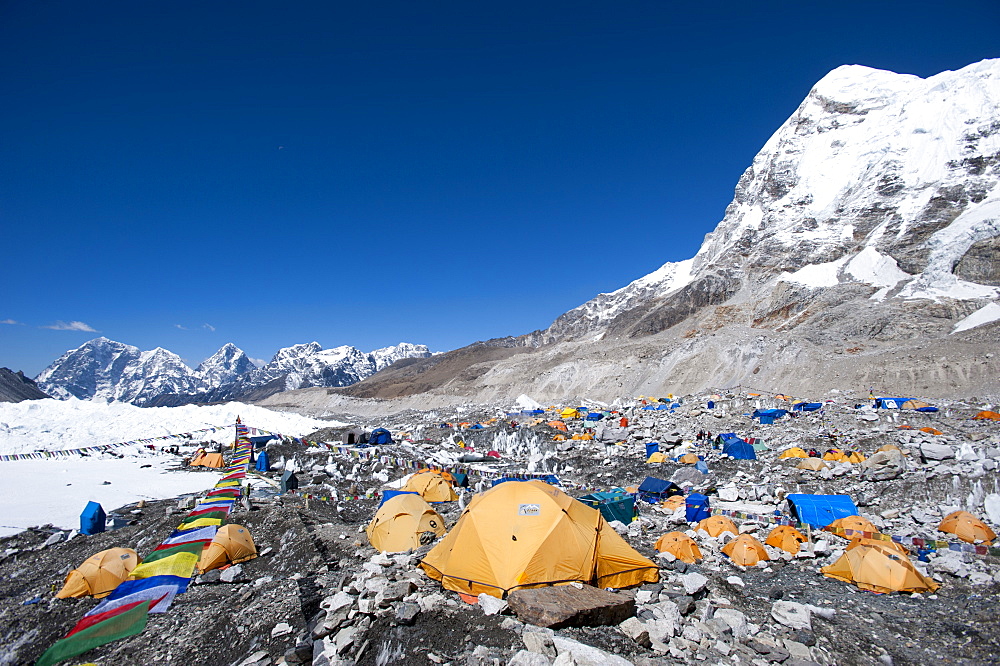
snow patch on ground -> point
(875, 268)
(984, 315)
(815, 276)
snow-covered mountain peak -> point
(225, 366)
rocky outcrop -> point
(15, 387)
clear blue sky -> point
(185, 174)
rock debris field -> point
(318, 593)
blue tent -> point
(807, 406)
(594, 416)
(389, 494)
(547, 478)
(697, 508)
(263, 462)
(821, 510)
(773, 413)
(613, 505)
(655, 490)
(380, 436)
(648, 407)
(92, 519)
(701, 466)
(662, 407)
(711, 404)
(737, 448)
(890, 403)
(477, 426)
(651, 448)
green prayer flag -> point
(115, 628)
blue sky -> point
(189, 174)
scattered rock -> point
(570, 606)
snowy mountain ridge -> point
(107, 370)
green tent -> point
(616, 504)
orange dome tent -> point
(99, 574)
(680, 546)
(432, 487)
(672, 503)
(933, 431)
(716, 525)
(558, 425)
(208, 460)
(745, 550)
(987, 415)
(794, 452)
(855, 523)
(836, 455)
(878, 568)
(785, 537)
(688, 459)
(530, 534)
(399, 523)
(967, 527)
(855, 457)
(232, 544)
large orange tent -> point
(879, 568)
(680, 545)
(99, 574)
(400, 523)
(785, 537)
(529, 534)
(232, 544)
(558, 425)
(855, 524)
(967, 527)
(987, 415)
(208, 460)
(716, 525)
(745, 550)
(431, 486)
(855, 457)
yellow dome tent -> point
(673, 502)
(232, 544)
(745, 550)
(785, 537)
(716, 525)
(525, 534)
(656, 457)
(836, 455)
(99, 574)
(878, 568)
(680, 545)
(570, 413)
(856, 523)
(855, 457)
(400, 521)
(432, 487)
(688, 459)
(967, 527)
(794, 452)
(815, 464)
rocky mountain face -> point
(860, 248)
(15, 387)
(113, 371)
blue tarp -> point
(548, 478)
(380, 436)
(263, 462)
(648, 407)
(711, 404)
(651, 448)
(890, 403)
(662, 407)
(821, 510)
(655, 490)
(701, 466)
(594, 416)
(807, 406)
(773, 413)
(92, 519)
(927, 409)
(766, 420)
(613, 505)
(389, 494)
(697, 508)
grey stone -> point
(528, 658)
(540, 642)
(936, 451)
(694, 582)
(406, 613)
(586, 655)
(231, 574)
(736, 620)
(490, 605)
(635, 630)
(791, 614)
(570, 606)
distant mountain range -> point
(113, 371)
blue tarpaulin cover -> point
(92, 519)
(654, 490)
(547, 478)
(737, 448)
(263, 462)
(389, 494)
(697, 507)
(807, 406)
(821, 510)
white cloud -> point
(9, 321)
(209, 327)
(259, 362)
(71, 326)
(183, 328)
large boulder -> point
(936, 451)
(884, 465)
(571, 606)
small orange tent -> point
(745, 550)
(785, 537)
(400, 523)
(432, 487)
(855, 457)
(232, 544)
(672, 503)
(208, 460)
(815, 464)
(716, 525)
(99, 574)
(794, 452)
(933, 431)
(688, 459)
(878, 568)
(988, 415)
(855, 523)
(558, 425)
(967, 527)
(680, 546)
(836, 455)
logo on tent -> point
(529, 510)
